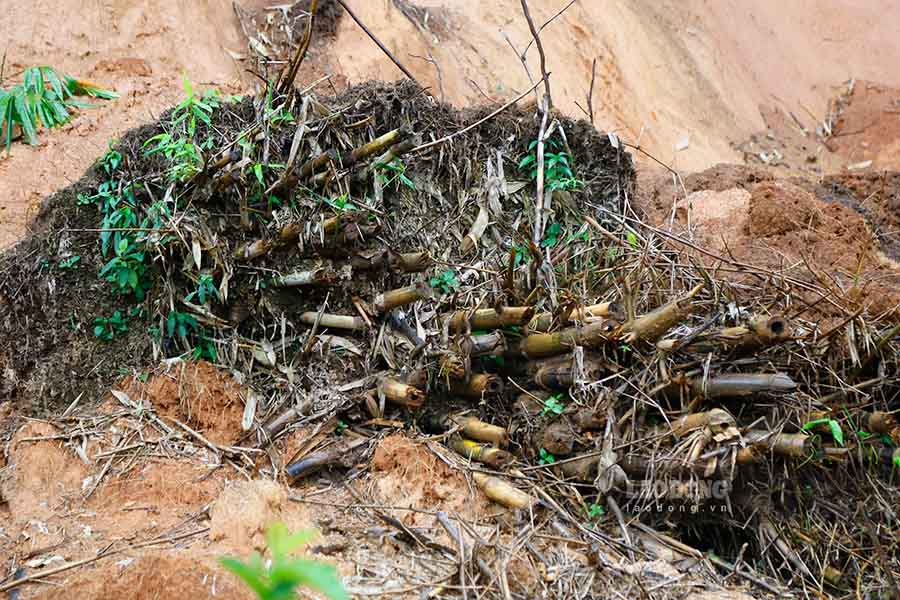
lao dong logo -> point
(676, 495)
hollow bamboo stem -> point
(543, 321)
(388, 301)
(789, 445)
(742, 384)
(400, 393)
(539, 345)
(502, 492)
(491, 318)
(654, 325)
(483, 453)
(334, 321)
(478, 385)
(487, 344)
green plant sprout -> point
(558, 173)
(394, 171)
(446, 282)
(553, 406)
(205, 350)
(280, 579)
(108, 328)
(833, 426)
(551, 235)
(595, 511)
(181, 324)
(69, 262)
(127, 270)
(546, 458)
(43, 99)
(206, 290)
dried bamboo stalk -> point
(543, 321)
(400, 393)
(539, 345)
(334, 321)
(502, 492)
(470, 242)
(453, 367)
(556, 376)
(491, 318)
(716, 417)
(654, 325)
(789, 445)
(379, 144)
(481, 431)
(251, 250)
(488, 344)
(320, 276)
(388, 301)
(478, 385)
(409, 262)
(730, 385)
(483, 453)
(315, 163)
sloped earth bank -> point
(668, 72)
(684, 424)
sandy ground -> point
(691, 75)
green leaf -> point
(632, 239)
(897, 461)
(249, 574)
(282, 542)
(98, 330)
(525, 162)
(321, 577)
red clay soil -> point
(197, 394)
(868, 129)
(745, 215)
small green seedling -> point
(205, 350)
(551, 236)
(69, 262)
(897, 461)
(394, 171)
(341, 426)
(341, 203)
(193, 109)
(180, 324)
(42, 99)
(108, 328)
(595, 511)
(283, 575)
(632, 239)
(553, 406)
(446, 282)
(558, 173)
(833, 426)
(546, 457)
(206, 290)
(126, 270)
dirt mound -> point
(48, 311)
(876, 196)
(172, 574)
(819, 234)
(867, 132)
(407, 474)
(197, 394)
